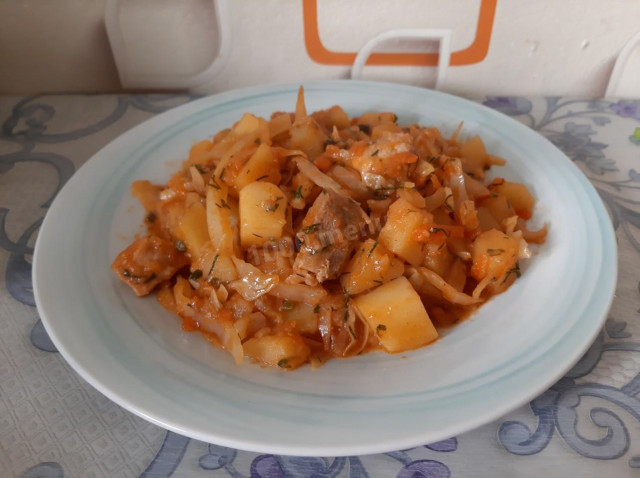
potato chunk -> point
(396, 235)
(517, 195)
(193, 229)
(396, 315)
(307, 135)
(263, 210)
(283, 351)
(262, 166)
(304, 315)
(371, 266)
(494, 253)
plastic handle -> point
(444, 52)
(130, 79)
(620, 65)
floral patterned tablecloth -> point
(53, 424)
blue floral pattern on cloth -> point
(593, 413)
(627, 108)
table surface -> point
(53, 424)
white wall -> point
(537, 47)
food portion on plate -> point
(307, 237)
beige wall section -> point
(541, 47)
(53, 46)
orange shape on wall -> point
(474, 53)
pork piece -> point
(329, 233)
(147, 262)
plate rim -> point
(605, 229)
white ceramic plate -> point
(134, 352)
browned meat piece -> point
(147, 262)
(328, 235)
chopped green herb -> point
(195, 275)
(257, 235)
(395, 118)
(316, 309)
(381, 328)
(298, 194)
(180, 246)
(224, 170)
(150, 278)
(353, 334)
(284, 363)
(495, 252)
(151, 217)
(494, 195)
(324, 248)
(377, 281)
(328, 142)
(213, 264)
(275, 206)
(515, 270)
(379, 193)
(435, 230)
(311, 228)
(471, 174)
(128, 274)
(449, 196)
(287, 305)
(375, 153)
(262, 177)
(365, 128)
(213, 184)
(223, 204)
(375, 244)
